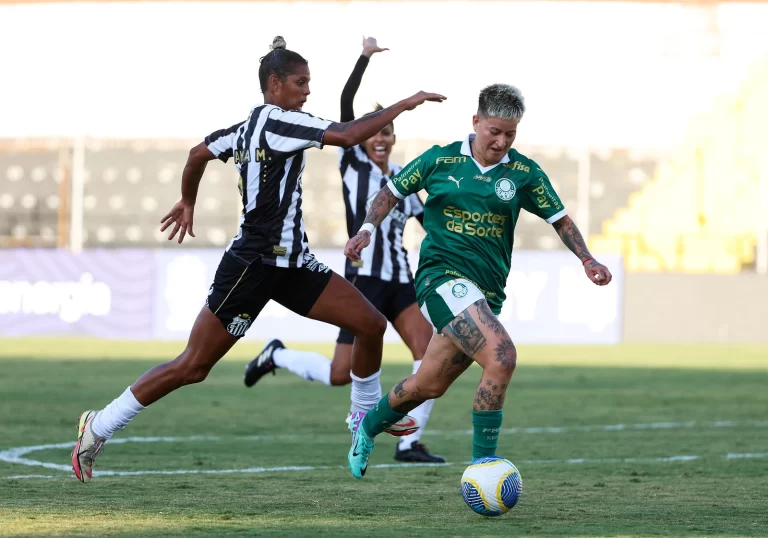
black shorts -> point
(389, 298)
(241, 289)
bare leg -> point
(342, 305)
(341, 365)
(208, 343)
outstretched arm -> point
(380, 207)
(370, 47)
(571, 237)
(348, 134)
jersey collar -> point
(466, 150)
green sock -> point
(487, 425)
(381, 417)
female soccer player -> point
(269, 258)
(383, 276)
(476, 189)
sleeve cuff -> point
(557, 216)
(394, 190)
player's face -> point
(292, 93)
(494, 137)
(379, 146)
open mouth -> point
(379, 152)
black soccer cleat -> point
(262, 364)
(418, 453)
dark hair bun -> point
(277, 43)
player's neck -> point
(479, 158)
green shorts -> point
(441, 303)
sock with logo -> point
(381, 417)
(487, 425)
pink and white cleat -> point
(86, 449)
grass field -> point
(610, 441)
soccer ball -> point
(491, 486)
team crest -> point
(239, 325)
(459, 290)
(505, 189)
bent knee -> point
(373, 325)
(190, 371)
(505, 360)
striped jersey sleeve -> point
(287, 131)
(222, 142)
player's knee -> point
(373, 326)
(190, 369)
(505, 360)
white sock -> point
(116, 415)
(366, 392)
(307, 364)
(421, 414)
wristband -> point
(368, 227)
(587, 260)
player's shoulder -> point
(523, 163)
(449, 150)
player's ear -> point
(475, 122)
(274, 83)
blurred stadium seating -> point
(129, 185)
(702, 210)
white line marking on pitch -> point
(15, 455)
(258, 470)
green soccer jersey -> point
(470, 214)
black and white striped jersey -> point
(268, 150)
(385, 258)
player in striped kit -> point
(269, 258)
(382, 275)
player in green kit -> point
(476, 189)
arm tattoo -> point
(571, 237)
(343, 127)
(381, 206)
(487, 318)
(465, 330)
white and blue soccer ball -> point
(491, 486)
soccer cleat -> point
(418, 453)
(87, 447)
(262, 364)
(405, 426)
(362, 446)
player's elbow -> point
(200, 154)
(336, 135)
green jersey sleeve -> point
(413, 177)
(540, 198)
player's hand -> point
(181, 216)
(597, 273)
(370, 47)
(419, 98)
(357, 244)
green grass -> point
(44, 385)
